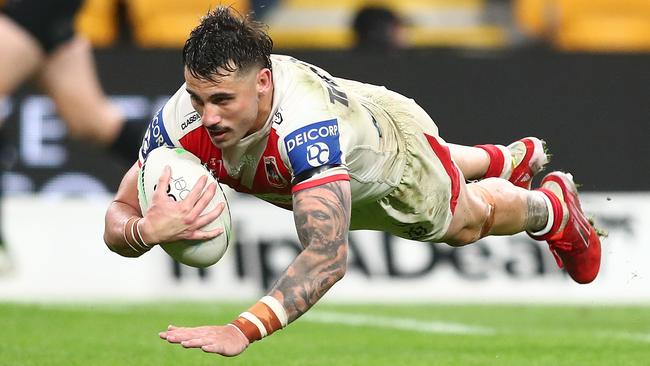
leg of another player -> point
(5, 261)
(69, 78)
(495, 206)
(20, 55)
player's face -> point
(233, 106)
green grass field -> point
(333, 335)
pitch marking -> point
(638, 337)
(395, 323)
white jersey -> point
(321, 129)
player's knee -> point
(465, 236)
(489, 206)
(479, 223)
(471, 233)
(79, 130)
(101, 127)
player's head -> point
(228, 74)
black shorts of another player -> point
(51, 22)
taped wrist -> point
(262, 319)
(133, 237)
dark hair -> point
(226, 41)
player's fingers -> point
(195, 193)
(171, 327)
(178, 337)
(222, 349)
(212, 348)
(162, 335)
(163, 182)
(195, 343)
(205, 235)
(173, 339)
(203, 202)
(209, 217)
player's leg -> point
(517, 162)
(5, 263)
(66, 71)
(69, 77)
(472, 161)
(29, 30)
(496, 207)
(5, 260)
(20, 55)
(36, 39)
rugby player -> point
(342, 155)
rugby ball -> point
(186, 169)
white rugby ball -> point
(186, 169)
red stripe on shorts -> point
(442, 151)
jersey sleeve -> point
(314, 140)
(313, 154)
(165, 127)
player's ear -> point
(264, 81)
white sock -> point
(506, 171)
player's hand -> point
(168, 220)
(224, 340)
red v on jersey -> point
(271, 175)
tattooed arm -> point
(322, 216)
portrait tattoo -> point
(322, 217)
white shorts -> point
(421, 206)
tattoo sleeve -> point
(322, 217)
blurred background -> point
(573, 72)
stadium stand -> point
(326, 24)
(167, 23)
(154, 23)
(97, 20)
(588, 25)
(309, 24)
(570, 25)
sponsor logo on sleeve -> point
(189, 119)
(155, 136)
(313, 146)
